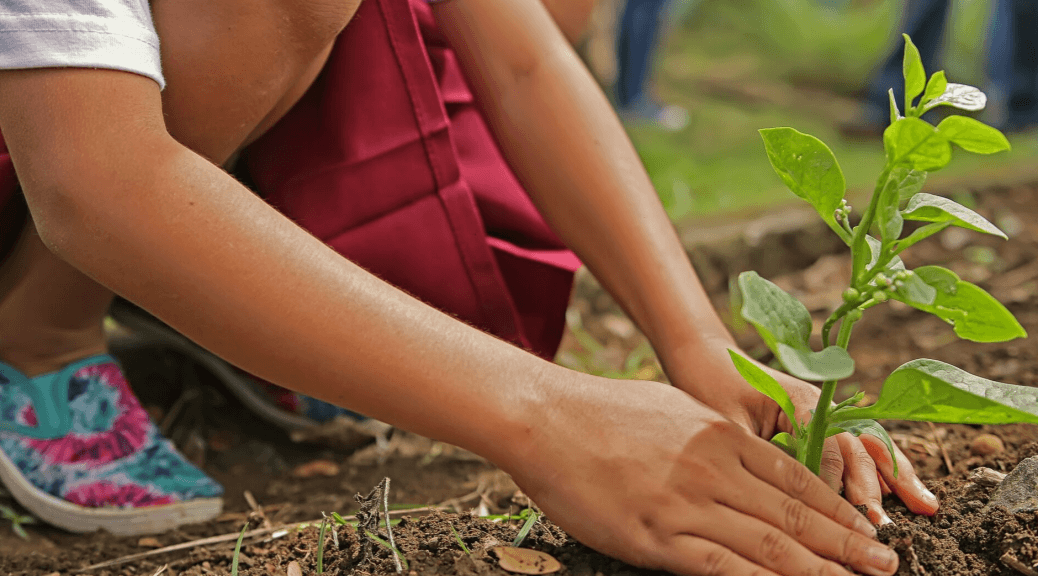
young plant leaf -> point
(935, 87)
(925, 207)
(888, 213)
(915, 74)
(916, 144)
(912, 289)
(785, 441)
(895, 114)
(974, 313)
(859, 427)
(785, 326)
(960, 96)
(920, 235)
(909, 182)
(807, 166)
(932, 391)
(972, 135)
(765, 384)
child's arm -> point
(566, 145)
(630, 469)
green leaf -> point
(765, 384)
(785, 326)
(925, 207)
(807, 166)
(909, 182)
(935, 87)
(960, 96)
(888, 213)
(859, 427)
(895, 114)
(916, 144)
(972, 135)
(920, 235)
(932, 391)
(915, 74)
(913, 289)
(785, 441)
(974, 313)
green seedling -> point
(459, 540)
(320, 545)
(921, 390)
(531, 518)
(17, 521)
(237, 550)
(402, 560)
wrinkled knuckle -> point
(798, 517)
(863, 459)
(774, 547)
(718, 561)
(853, 548)
(798, 480)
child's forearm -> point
(566, 145)
(121, 200)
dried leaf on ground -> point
(526, 561)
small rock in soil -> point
(986, 445)
(1019, 491)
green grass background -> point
(742, 65)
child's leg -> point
(50, 313)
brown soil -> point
(251, 458)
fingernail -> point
(882, 561)
(884, 519)
(927, 495)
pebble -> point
(149, 542)
(1019, 491)
(986, 445)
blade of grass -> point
(460, 542)
(237, 550)
(320, 546)
(527, 526)
(397, 554)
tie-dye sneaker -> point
(79, 452)
(305, 419)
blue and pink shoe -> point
(79, 452)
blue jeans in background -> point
(1013, 64)
(637, 35)
(925, 22)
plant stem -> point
(820, 420)
(858, 242)
(817, 428)
(834, 318)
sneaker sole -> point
(118, 521)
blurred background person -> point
(1013, 65)
(637, 39)
(925, 22)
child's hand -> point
(642, 472)
(861, 467)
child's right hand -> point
(643, 472)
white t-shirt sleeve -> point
(114, 34)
